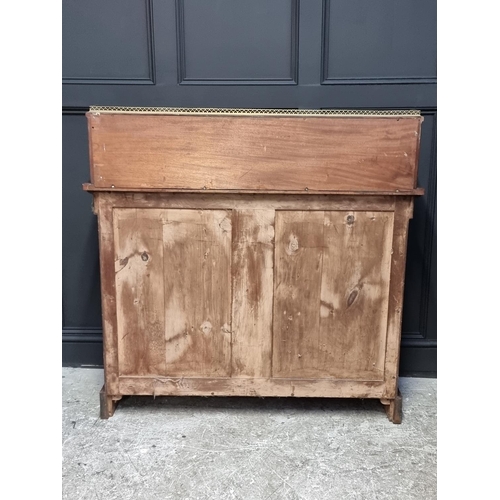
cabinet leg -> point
(108, 404)
(394, 408)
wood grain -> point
(325, 260)
(207, 201)
(297, 290)
(242, 152)
(354, 294)
(252, 275)
(139, 291)
(253, 255)
(331, 294)
(107, 405)
(402, 215)
(394, 409)
(108, 292)
(91, 188)
(279, 387)
(197, 283)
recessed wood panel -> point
(369, 40)
(331, 294)
(173, 289)
(237, 41)
(107, 42)
(254, 152)
(354, 294)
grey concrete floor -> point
(246, 448)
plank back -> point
(284, 153)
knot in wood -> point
(352, 297)
(350, 220)
(225, 225)
(293, 245)
(206, 327)
(144, 256)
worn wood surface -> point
(265, 295)
(297, 291)
(197, 280)
(173, 290)
(252, 275)
(393, 192)
(216, 292)
(108, 292)
(215, 316)
(242, 152)
(279, 387)
(140, 291)
(245, 201)
(107, 404)
(331, 294)
(354, 294)
(394, 408)
(403, 213)
(225, 271)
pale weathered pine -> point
(235, 201)
(245, 386)
(197, 283)
(403, 213)
(331, 313)
(297, 290)
(139, 291)
(354, 294)
(252, 275)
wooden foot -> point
(394, 408)
(108, 404)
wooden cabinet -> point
(252, 253)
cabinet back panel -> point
(252, 293)
(254, 153)
(331, 294)
(173, 290)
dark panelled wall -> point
(255, 54)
